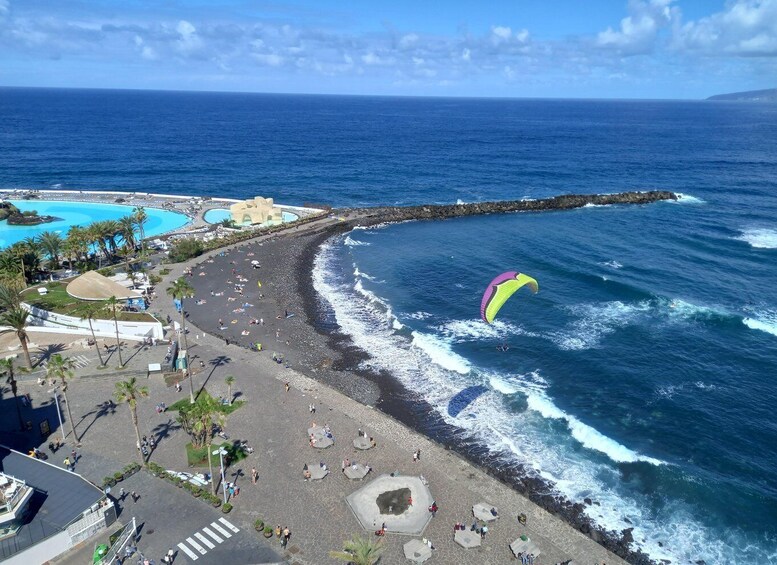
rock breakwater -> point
(443, 211)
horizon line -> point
(430, 96)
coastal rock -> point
(370, 216)
(587, 501)
(626, 535)
(31, 220)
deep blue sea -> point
(642, 375)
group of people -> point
(482, 530)
(146, 444)
(283, 534)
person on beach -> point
(254, 475)
(415, 456)
(287, 386)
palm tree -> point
(6, 366)
(127, 230)
(129, 392)
(211, 410)
(52, 244)
(9, 296)
(359, 551)
(62, 368)
(16, 318)
(88, 311)
(112, 229)
(111, 303)
(230, 380)
(179, 290)
(140, 217)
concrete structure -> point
(256, 210)
(45, 510)
(373, 504)
(102, 328)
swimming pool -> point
(216, 215)
(81, 214)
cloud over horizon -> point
(645, 48)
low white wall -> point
(43, 551)
(47, 319)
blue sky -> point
(504, 48)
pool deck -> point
(194, 207)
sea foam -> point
(760, 238)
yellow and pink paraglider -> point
(500, 290)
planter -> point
(226, 508)
(216, 504)
(259, 526)
(109, 482)
(268, 535)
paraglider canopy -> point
(500, 290)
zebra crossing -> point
(207, 538)
(80, 361)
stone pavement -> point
(274, 422)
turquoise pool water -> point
(79, 213)
(217, 215)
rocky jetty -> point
(441, 212)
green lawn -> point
(59, 301)
(197, 457)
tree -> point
(9, 295)
(179, 290)
(6, 367)
(230, 380)
(359, 551)
(62, 368)
(197, 420)
(52, 243)
(16, 318)
(88, 311)
(141, 216)
(129, 392)
(127, 230)
(111, 303)
(185, 249)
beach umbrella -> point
(417, 551)
(485, 512)
(357, 471)
(525, 546)
(467, 538)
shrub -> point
(108, 482)
(259, 524)
(226, 508)
(117, 476)
(155, 279)
(107, 271)
(164, 272)
(185, 249)
(268, 530)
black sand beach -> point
(298, 326)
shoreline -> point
(318, 350)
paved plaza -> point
(274, 422)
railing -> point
(10, 503)
(123, 539)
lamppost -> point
(55, 390)
(221, 452)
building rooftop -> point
(59, 497)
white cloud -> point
(408, 41)
(268, 59)
(466, 54)
(188, 40)
(744, 27)
(638, 31)
(501, 32)
(5, 7)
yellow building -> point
(256, 211)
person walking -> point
(286, 537)
(66, 463)
(254, 475)
(170, 555)
(134, 496)
(122, 494)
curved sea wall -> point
(563, 202)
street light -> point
(55, 390)
(221, 452)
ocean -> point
(641, 376)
